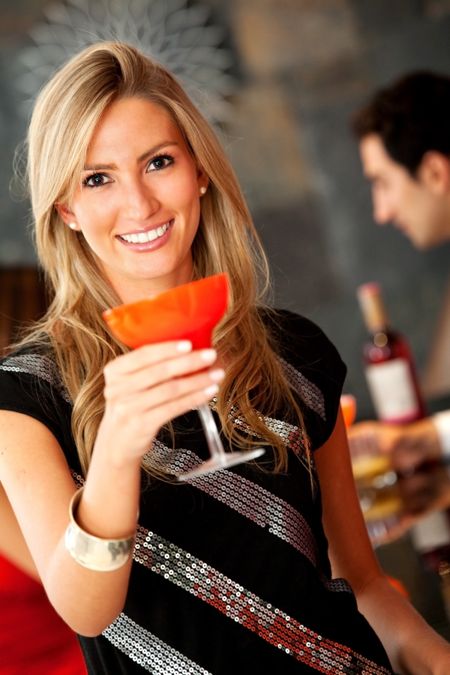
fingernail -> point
(217, 375)
(213, 389)
(208, 355)
(184, 346)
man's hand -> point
(408, 445)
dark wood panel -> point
(22, 300)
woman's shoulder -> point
(301, 341)
(285, 319)
(30, 384)
(32, 362)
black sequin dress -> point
(231, 573)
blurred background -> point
(282, 78)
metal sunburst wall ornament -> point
(176, 33)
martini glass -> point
(187, 312)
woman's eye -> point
(95, 180)
(160, 162)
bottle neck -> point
(374, 312)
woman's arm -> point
(412, 646)
(39, 486)
(144, 389)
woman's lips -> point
(147, 240)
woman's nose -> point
(141, 201)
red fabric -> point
(33, 638)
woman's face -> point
(137, 203)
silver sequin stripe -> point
(39, 365)
(247, 609)
(149, 651)
(44, 367)
(289, 434)
(250, 500)
(310, 392)
(142, 646)
(242, 495)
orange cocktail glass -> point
(187, 312)
(348, 407)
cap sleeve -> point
(314, 369)
(30, 384)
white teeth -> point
(144, 237)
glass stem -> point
(211, 432)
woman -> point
(132, 195)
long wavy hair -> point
(64, 118)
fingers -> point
(179, 391)
(363, 439)
(156, 373)
(183, 401)
(147, 388)
(159, 382)
(146, 355)
(152, 367)
(131, 422)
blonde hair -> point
(65, 115)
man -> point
(404, 143)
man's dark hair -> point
(412, 116)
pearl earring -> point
(73, 226)
(202, 190)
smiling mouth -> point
(146, 237)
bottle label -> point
(431, 532)
(392, 389)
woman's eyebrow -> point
(141, 158)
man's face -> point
(398, 198)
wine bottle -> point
(430, 537)
(389, 365)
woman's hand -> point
(146, 388)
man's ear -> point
(434, 172)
